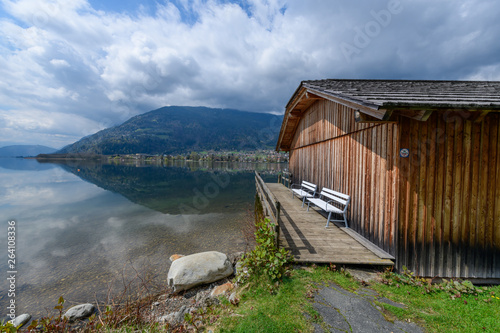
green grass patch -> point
(442, 311)
(288, 309)
(262, 311)
(325, 275)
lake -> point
(85, 229)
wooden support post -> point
(271, 206)
(277, 228)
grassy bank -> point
(450, 306)
(290, 309)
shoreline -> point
(166, 307)
(259, 156)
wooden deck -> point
(305, 235)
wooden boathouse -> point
(420, 160)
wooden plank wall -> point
(449, 211)
(330, 149)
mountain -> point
(180, 129)
(25, 150)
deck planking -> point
(304, 234)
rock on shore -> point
(206, 267)
(203, 277)
(79, 312)
(20, 320)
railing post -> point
(277, 228)
(268, 201)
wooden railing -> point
(270, 205)
(285, 178)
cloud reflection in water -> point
(74, 238)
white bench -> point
(304, 190)
(326, 200)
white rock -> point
(168, 318)
(79, 312)
(206, 267)
(20, 320)
(179, 316)
(176, 317)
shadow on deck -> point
(304, 234)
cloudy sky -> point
(69, 68)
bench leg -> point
(308, 205)
(328, 221)
(303, 201)
(345, 220)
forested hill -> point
(180, 129)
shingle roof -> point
(398, 93)
(385, 100)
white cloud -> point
(59, 63)
(52, 191)
(486, 73)
(49, 122)
(68, 70)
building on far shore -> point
(420, 159)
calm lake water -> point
(84, 228)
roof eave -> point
(369, 111)
(295, 96)
(304, 96)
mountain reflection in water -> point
(179, 188)
(74, 237)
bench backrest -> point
(331, 195)
(309, 187)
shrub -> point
(266, 262)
